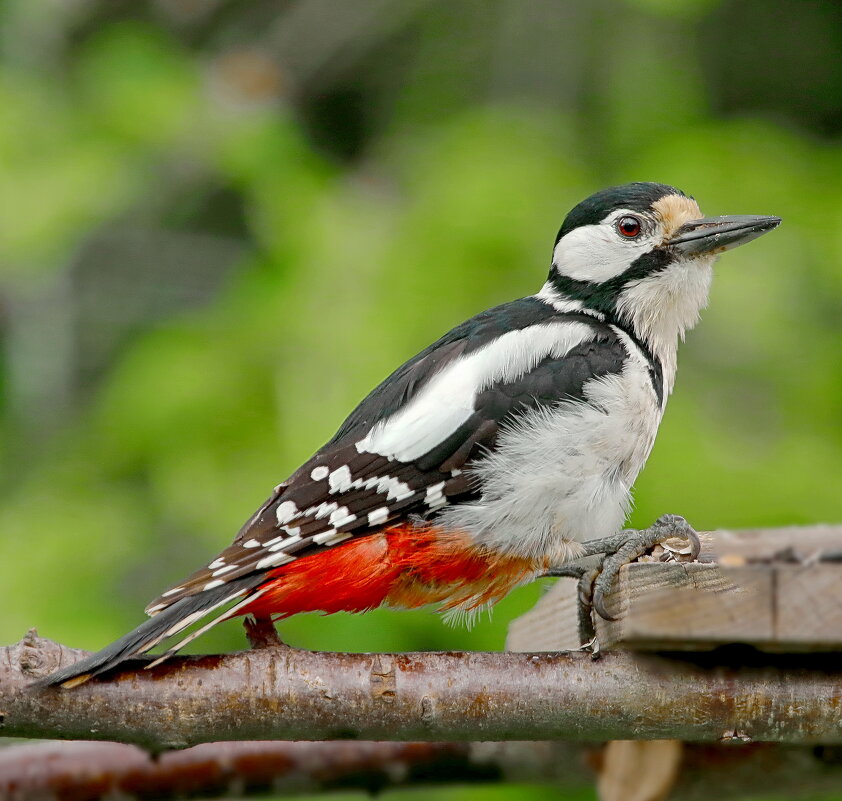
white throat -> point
(663, 306)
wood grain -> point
(749, 588)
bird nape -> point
(503, 452)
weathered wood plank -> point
(666, 606)
(809, 605)
(748, 588)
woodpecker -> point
(501, 453)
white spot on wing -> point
(342, 516)
(392, 487)
(340, 479)
(396, 490)
(212, 584)
(319, 473)
(435, 495)
(222, 570)
(280, 546)
(331, 537)
(378, 516)
(286, 511)
(251, 543)
(185, 622)
(274, 560)
(322, 510)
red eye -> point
(628, 226)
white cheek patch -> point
(596, 253)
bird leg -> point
(628, 545)
(261, 632)
(616, 551)
(586, 577)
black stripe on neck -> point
(602, 296)
(656, 369)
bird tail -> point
(167, 623)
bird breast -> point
(561, 475)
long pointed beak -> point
(716, 234)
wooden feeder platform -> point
(777, 590)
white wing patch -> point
(447, 401)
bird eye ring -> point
(629, 227)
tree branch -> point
(81, 771)
(288, 694)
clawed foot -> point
(261, 632)
(629, 545)
(619, 550)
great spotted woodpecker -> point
(498, 454)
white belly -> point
(563, 475)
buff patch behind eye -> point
(674, 211)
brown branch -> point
(82, 771)
(288, 694)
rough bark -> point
(279, 693)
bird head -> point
(641, 254)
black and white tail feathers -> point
(166, 623)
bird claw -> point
(631, 544)
(679, 527)
(617, 551)
(591, 647)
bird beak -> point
(716, 234)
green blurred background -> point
(224, 221)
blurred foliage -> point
(224, 222)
